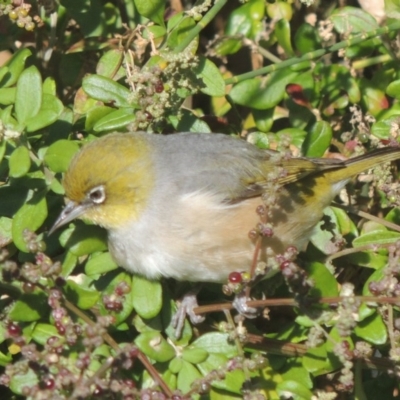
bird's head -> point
(109, 181)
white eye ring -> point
(97, 195)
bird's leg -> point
(186, 307)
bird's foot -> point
(240, 304)
(186, 307)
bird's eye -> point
(97, 195)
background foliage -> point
(319, 79)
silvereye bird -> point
(182, 205)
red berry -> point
(235, 277)
(159, 87)
(284, 264)
(13, 329)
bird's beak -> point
(71, 211)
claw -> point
(240, 303)
(188, 303)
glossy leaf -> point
(30, 216)
(110, 64)
(146, 296)
(306, 39)
(58, 156)
(186, 376)
(15, 65)
(352, 19)
(42, 332)
(260, 95)
(179, 26)
(323, 234)
(50, 109)
(376, 238)
(318, 139)
(282, 33)
(393, 89)
(82, 293)
(296, 390)
(106, 90)
(7, 96)
(83, 240)
(325, 284)
(114, 120)
(279, 9)
(189, 123)
(211, 77)
(99, 264)
(155, 346)
(372, 329)
(29, 307)
(28, 97)
(151, 9)
(19, 162)
(106, 287)
(244, 20)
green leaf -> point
(211, 76)
(194, 355)
(28, 97)
(20, 381)
(325, 284)
(381, 129)
(216, 342)
(114, 120)
(15, 66)
(373, 98)
(19, 162)
(30, 216)
(95, 114)
(106, 90)
(186, 376)
(189, 123)
(49, 86)
(259, 139)
(99, 264)
(245, 19)
(5, 230)
(50, 109)
(376, 238)
(294, 371)
(393, 89)
(58, 156)
(282, 33)
(179, 27)
(315, 360)
(294, 390)
(151, 9)
(352, 19)
(262, 95)
(392, 9)
(155, 346)
(84, 239)
(29, 307)
(146, 296)
(372, 329)
(106, 286)
(280, 9)
(318, 139)
(110, 64)
(324, 232)
(7, 96)
(42, 332)
(306, 39)
(81, 294)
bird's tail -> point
(356, 165)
